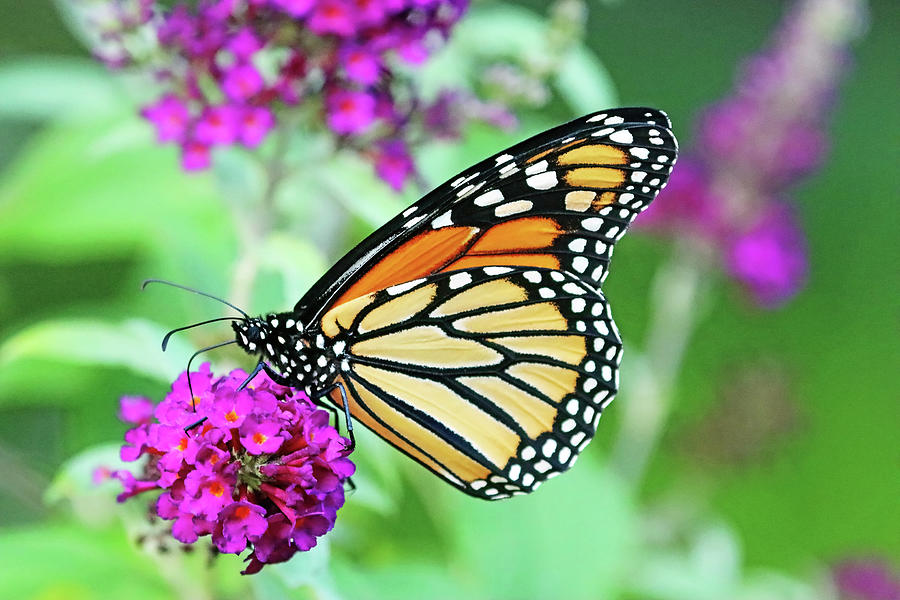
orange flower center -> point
(182, 445)
(231, 417)
(216, 489)
(242, 512)
(259, 438)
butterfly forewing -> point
(558, 200)
(492, 377)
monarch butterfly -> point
(470, 331)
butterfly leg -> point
(347, 417)
(262, 366)
(350, 485)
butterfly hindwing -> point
(492, 377)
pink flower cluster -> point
(231, 68)
(263, 470)
(755, 145)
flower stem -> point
(678, 291)
(255, 222)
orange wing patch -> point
(540, 155)
(422, 255)
(595, 177)
(519, 234)
(593, 154)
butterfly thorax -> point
(289, 350)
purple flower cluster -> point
(871, 579)
(232, 68)
(753, 146)
(264, 469)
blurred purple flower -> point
(350, 112)
(135, 410)
(255, 59)
(194, 156)
(242, 82)
(393, 163)
(255, 122)
(871, 579)
(263, 470)
(770, 257)
(755, 145)
(170, 116)
(216, 125)
(689, 207)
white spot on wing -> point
(542, 181)
(403, 287)
(458, 280)
(445, 220)
(489, 197)
(577, 245)
(580, 263)
(592, 223)
(623, 136)
(573, 288)
(512, 208)
(414, 221)
(536, 168)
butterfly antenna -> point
(147, 282)
(191, 359)
(165, 341)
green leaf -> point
(570, 539)
(98, 188)
(497, 32)
(56, 88)
(298, 262)
(73, 562)
(134, 344)
(90, 502)
(306, 575)
(412, 579)
(584, 83)
(353, 184)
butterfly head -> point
(275, 338)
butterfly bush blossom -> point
(230, 71)
(262, 470)
(732, 188)
(866, 579)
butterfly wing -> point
(558, 200)
(491, 377)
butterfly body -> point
(470, 331)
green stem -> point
(255, 222)
(678, 292)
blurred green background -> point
(780, 455)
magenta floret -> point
(264, 470)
